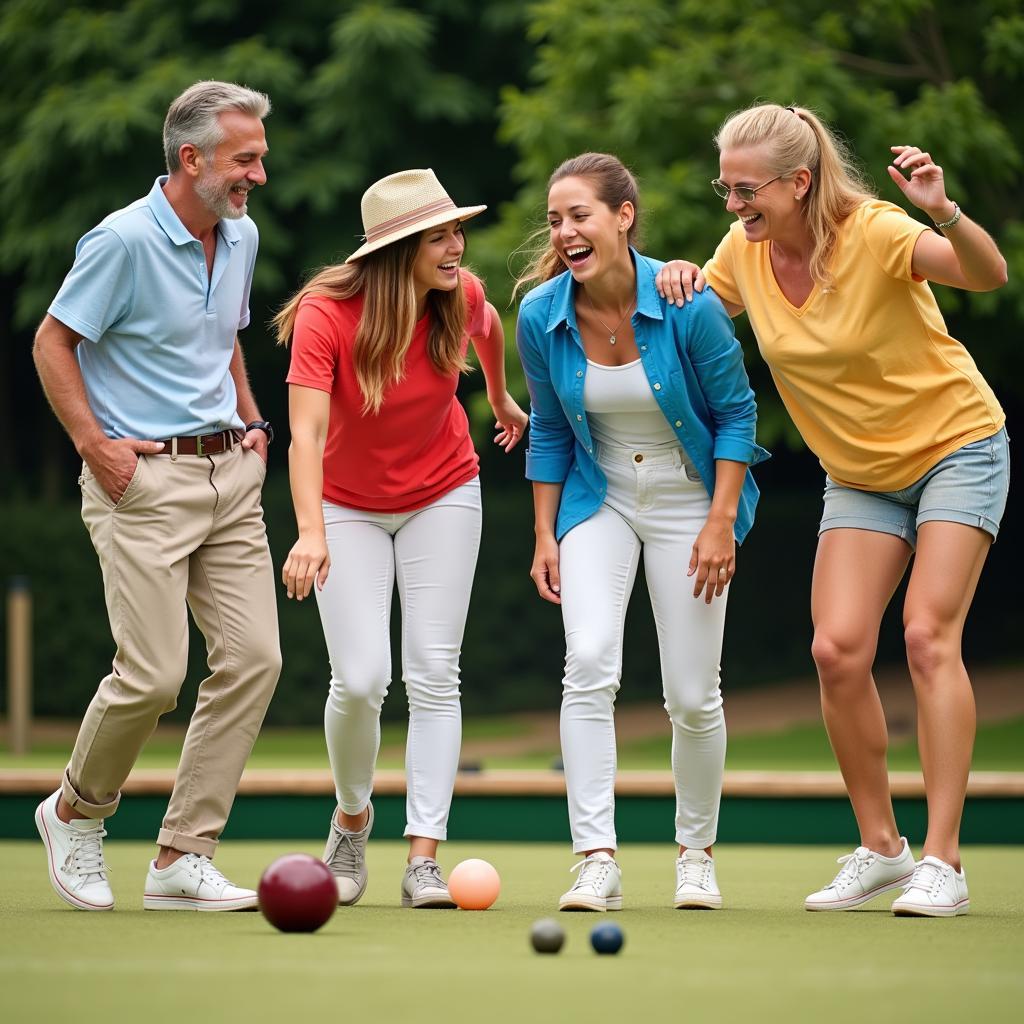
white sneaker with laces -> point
(864, 875)
(936, 890)
(696, 887)
(74, 857)
(423, 887)
(193, 883)
(345, 855)
(598, 885)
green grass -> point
(999, 747)
(761, 959)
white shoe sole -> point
(428, 902)
(594, 904)
(703, 902)
(155, 901)
(58, 887)
(856, 901)
(923, 910)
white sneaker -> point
(193, 883)
(696, 887)
(423, 886)
(598, 885)
(936, 890)
(74, 857)
(865, 875)
(345, 855)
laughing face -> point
(438, 257)
(235, 168)
(588, 235)
(774, 211)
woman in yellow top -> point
(911, 437)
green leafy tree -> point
(651, 81)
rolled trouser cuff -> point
(185, 843)
(83, 806)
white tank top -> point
(622, 410)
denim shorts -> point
(969, 486)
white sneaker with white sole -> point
(193, 883)
(936, 890)
(424, 887)
(696, 886)
(74, 857)
(345, 855)
(864, 875)
(598, 885)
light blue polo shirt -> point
(161, 331)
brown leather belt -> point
(202, 444)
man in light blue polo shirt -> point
(140, 359)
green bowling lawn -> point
(762, 959)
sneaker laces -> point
(927, 876)
(428, 872)
(854, 865)
(592, 871)
(209, 873)
(85, 857)
(344, 858)
(694, 872)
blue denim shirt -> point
(693, 363)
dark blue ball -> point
(607, 938)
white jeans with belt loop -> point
(432, 553)
(656, 502)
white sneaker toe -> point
(936, 890)
(598, 885)
(696, 885)
(193, 883)
(74, 857)
(864, 875)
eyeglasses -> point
(743, 192)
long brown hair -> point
(385, 280)
(614, 185)
(795, 137)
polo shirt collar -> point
(648, 303)
(171, 223)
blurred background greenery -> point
(492, 94)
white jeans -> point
(432, 552)
(653, 503)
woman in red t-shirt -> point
(385, 484)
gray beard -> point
(216, 199)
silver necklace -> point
(612, 331)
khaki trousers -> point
(188, 529)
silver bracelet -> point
(952, 220)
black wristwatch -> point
(263, 425)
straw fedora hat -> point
(402, 204)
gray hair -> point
(194, 117)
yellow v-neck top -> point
(876, 386)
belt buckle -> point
(199, 444)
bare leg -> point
(946, 570)
(855, 575)
(421, 846)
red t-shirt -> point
(417, 448)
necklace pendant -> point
(611, 340)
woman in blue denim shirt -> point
(642, 431)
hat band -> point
(386, 227)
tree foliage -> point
(651, 81)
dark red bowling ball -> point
(298, 893)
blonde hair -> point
(384, 278)
(794, 137)
(614, 185)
